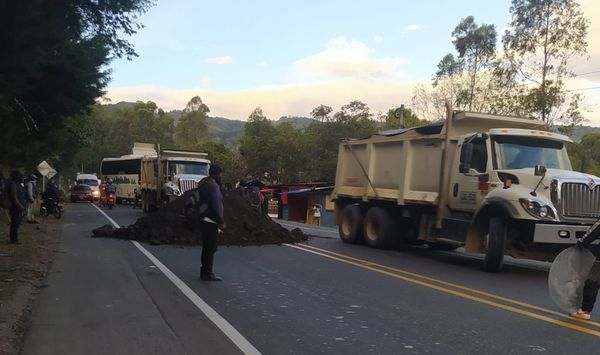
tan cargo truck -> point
(493, 184)
(166, 174)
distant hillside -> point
(229, 131)
(118, 106)
(298, 122)
(225, 131)
(581, 131)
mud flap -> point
(474, 241)
(567, 277)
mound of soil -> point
(246, 225)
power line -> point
(591, 72)
(582, 89)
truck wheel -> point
(379, 229)
(496, 242)
(351, 225)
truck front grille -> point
(579, 201)
(186, 185)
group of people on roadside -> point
(18, 196)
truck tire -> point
(351, 225)
(496, 242)
(379, 229)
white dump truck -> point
(493, 184)
(167, 173)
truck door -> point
(469, 187)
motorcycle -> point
(137, 201)
(51, 207)
(110, 200)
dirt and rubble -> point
(246, 225)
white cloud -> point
(276, 101)
(413, 28)
(219, 60)
(300, 99)
(378, 39)
(343, 58)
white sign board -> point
(51, 174)
(46, 170)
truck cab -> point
(522, 182)
(170, 173)
(186, 172)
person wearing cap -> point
(210, 192)
(31, 196)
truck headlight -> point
(538, 208)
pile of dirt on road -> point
(246, 225)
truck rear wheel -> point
(351, 225)
(496, 242)
(379, 229)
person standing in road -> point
(590, 293)
(211, 194)
(16, 194)
(31, 192)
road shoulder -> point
(23, 269)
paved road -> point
(322, 296)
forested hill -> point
(581, 131)
(229, 131)
(221, 130)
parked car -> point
(82, 193)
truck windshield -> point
(518, 152)
(187, 168)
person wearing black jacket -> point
(16, 194)
(210, 192)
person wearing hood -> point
(213, 222)
(17, 197)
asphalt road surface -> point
(109, 296)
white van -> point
(92, 181)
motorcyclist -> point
(51, 192)
(111, 188)
(50, 196)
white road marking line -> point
(236, 337)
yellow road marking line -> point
(456, 293)
(451, 284)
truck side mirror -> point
(466, 154)
(540, 170)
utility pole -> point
(399, 113)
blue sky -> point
(288, 57)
